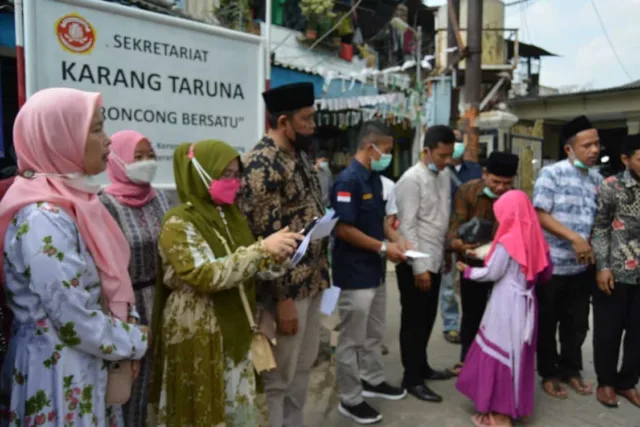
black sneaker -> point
(383, 390)
(361, 413)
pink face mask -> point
(224, 191)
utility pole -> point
(473, 78)
(452, 59)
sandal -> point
(481, 420)
(556, 390)
(579, 386)
(452, 336)
(456, 369)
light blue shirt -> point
(569, 195)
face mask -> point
(324, 166)
(458, 150)
(301, 142)
(75, 180)
(431, 166)
(141, 172)
(382, 163)
(487, 191)
(222, 191)
(576, 162)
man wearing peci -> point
(282, 189)
(565, 197)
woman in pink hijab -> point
(63, 258)
(498, 373)
(138, 209)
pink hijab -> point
(520, 233)
(123, 145)
(50, 135)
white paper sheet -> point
(329, 300)
(322, 229)
(415, 254)
(324, 226)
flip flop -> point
(557, 389)
(578, 385)
(479, 420)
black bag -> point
(476, 231)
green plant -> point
(317, 8)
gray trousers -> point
(286, 386)
(361, 332)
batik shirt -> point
(616, 232)
(569, 195)
(281, 189)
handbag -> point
(120, 382)
(476, 231)
(261, 351)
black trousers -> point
(613, 314)
(419, 310)
(474, 297)
(564, 305)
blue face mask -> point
(458, 150)
(487, 191)
(430, 165)
(576, 162)
(324, 166)
(383, 162)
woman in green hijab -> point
(202, 373)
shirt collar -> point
(361, 170)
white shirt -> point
(389, 195)
(424, 207)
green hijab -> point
(198, 209)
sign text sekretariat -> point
(151, 47)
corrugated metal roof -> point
(527, 99)
(632, 85)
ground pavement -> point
(456, 410)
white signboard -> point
(171, 79)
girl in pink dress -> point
(498, 374)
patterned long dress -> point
(55, 372)
(194, 351)
(141, 226)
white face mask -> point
(141, 172)
(76, 180)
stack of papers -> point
(415, 254)
(322, 229)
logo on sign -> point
(75, 34)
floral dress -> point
(192, 391)
(55, 371)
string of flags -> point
(392, 108)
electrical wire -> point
(606, 34)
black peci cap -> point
(289, 97)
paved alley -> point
(456, 410)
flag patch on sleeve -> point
(344, 197)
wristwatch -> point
(383, 249)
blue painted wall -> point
(7, 30)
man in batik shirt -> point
(616, 301)
(281, 189)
